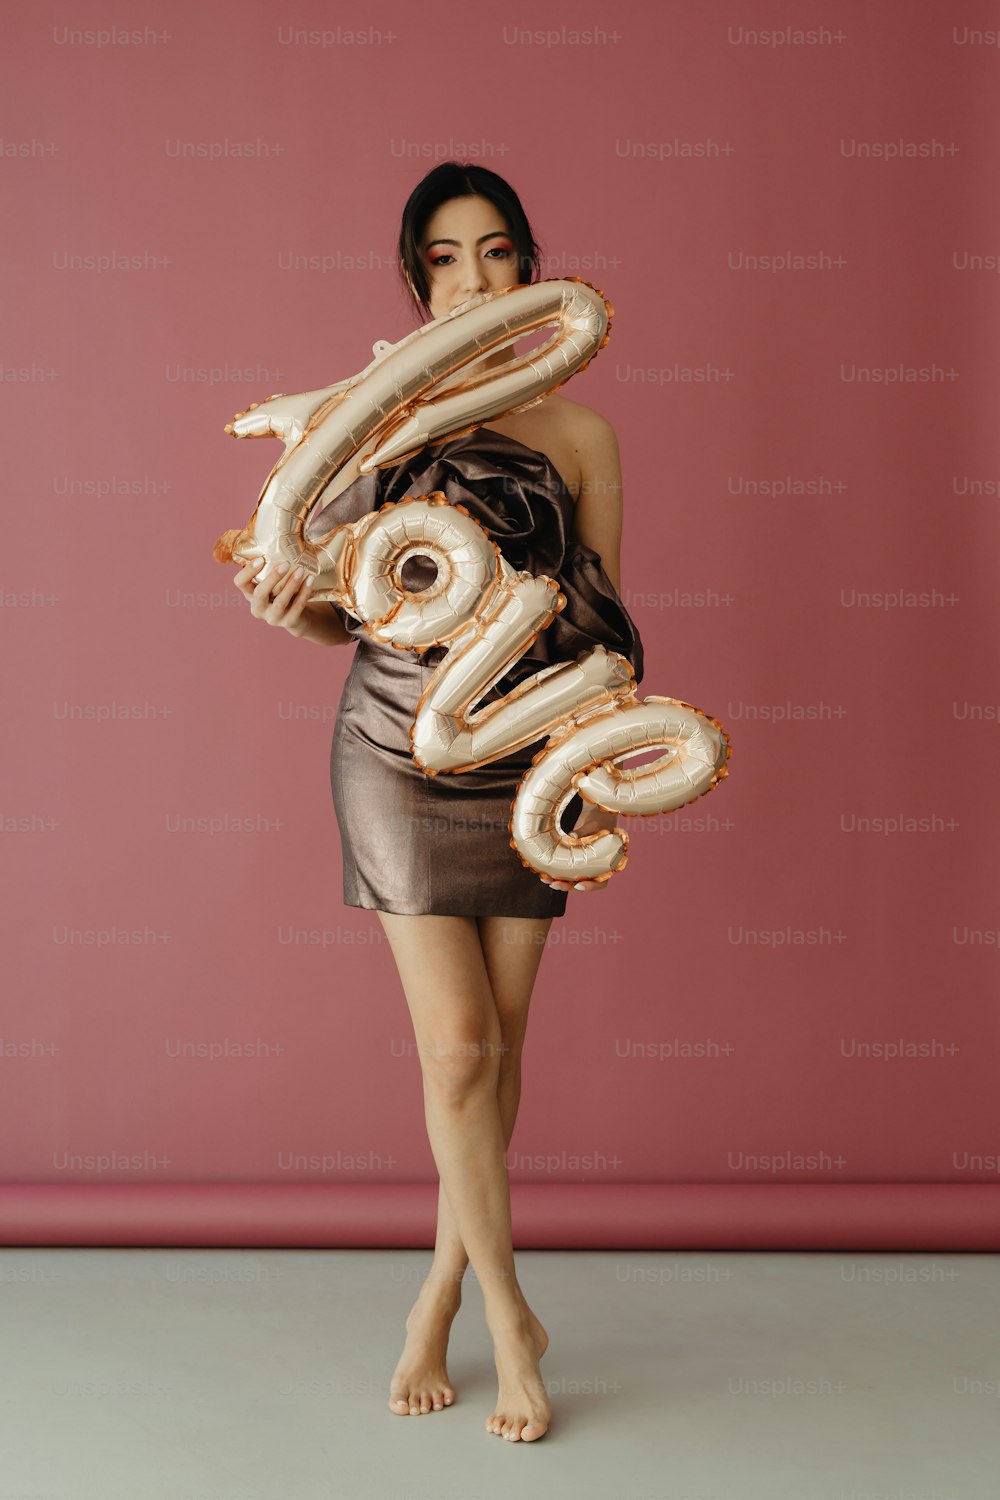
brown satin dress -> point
(414, 843)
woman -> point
(466, 921)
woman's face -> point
(466, 248)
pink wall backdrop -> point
(792, 209)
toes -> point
(419, 1403)
(528, 1436)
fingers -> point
(579, 885)
(293, 595)
(244, 579)
(277, 594)
(262, 590)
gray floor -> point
(263, 1375)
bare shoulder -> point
(597, 461)
(598, 515)
(592, 431)
(587, 441)
(578, 441)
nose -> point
(473, 278)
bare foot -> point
(522, 1412)
(420, 1380)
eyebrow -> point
(493, 234)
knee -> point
(457, 1067)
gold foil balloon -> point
(406, 398)
(487, 615)
(480, 608)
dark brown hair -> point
(457, 179)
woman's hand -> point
(591, 820)
(278, 596)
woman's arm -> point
(321, 623)
(598, 521)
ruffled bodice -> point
(518, 496)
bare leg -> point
(443, 969)
(512, 948)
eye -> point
(497, 251)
